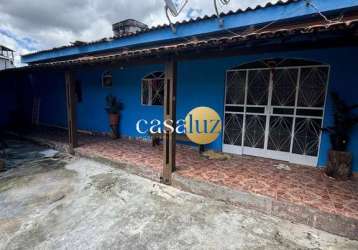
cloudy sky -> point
(27, 26)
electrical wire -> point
(223, 2)
(308, 4)
(174, 13)
(250, 31)
(311, 4)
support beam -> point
(71, 110)
(169, 114)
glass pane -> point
(233, 129)
(258, 84)
(283, 111)
(157, 91)
(235, 87)
(284, 87)
(306, 138)
(145, 92)
(258, 110)
(234, 109)
(280, 133)
(255, 131)
(310, 112)
(312, 87)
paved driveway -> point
(65, 203)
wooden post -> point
(71, 110)
(169, 114)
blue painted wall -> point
(18, 92)
(200, 83)
(7, 100)
(126, 87)
(50, 87)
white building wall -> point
(5, 63)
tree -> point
(339, 164)
(344, 121)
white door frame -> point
(265, 152)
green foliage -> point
(344, 121)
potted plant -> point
(339, 164)
(113, 107)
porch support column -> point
(169, 114)
(71, 110)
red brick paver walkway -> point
(301, 184)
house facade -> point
(6, 58)
(268, 72)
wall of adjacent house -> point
(49, 88)
(7, 100)
(3, 63)
(200, 83)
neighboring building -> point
(268, 72)
(6, 58)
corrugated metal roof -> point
(6, 48)
(349, 23)
(164, 26)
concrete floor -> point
(62, 202)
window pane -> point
(153, 89)
(313, 87)
(280, 133)
(235, 87)
(257, 92)
(145, 92)
(233, 129)
(157, 91)
(284, 87)
(255, 131)
(307, 134)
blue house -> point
(268, 71)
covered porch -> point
(195, 75)
(297, 185)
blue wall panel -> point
(52, 92)
(200, 83)
(126, 87)
(7, 100)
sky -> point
(27, 26)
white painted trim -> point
(270, 154)
(278, 155)
(244, 117)
(149, 81)
(260, 152)
(324, 111)
(232, 149)
(224, 118)
(304, 160)
(268, 112)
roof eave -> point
(282, 11)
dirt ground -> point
(50, 200)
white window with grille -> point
(153, 89)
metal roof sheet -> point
(164, 26)
(349, 23)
